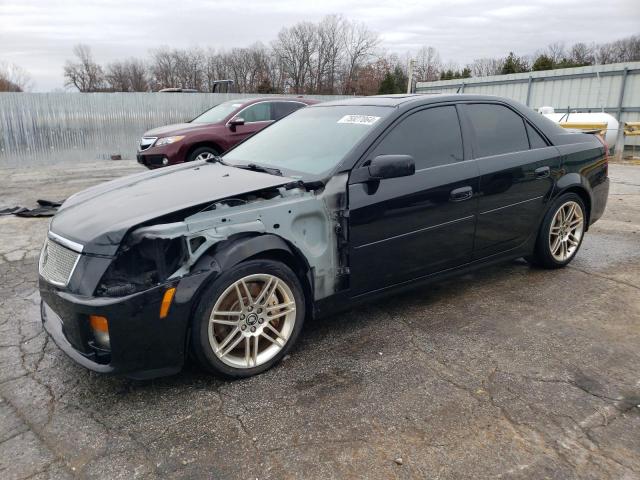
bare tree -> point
(294, 47)
(556, 52)
(117, 77)
(625, 50)
(484, 67)
(330, 34)
(188, 68)
(261, 78)
(371, 76)
(14, 78)
(163, 68)
(360, 44)
(138, 80)
(428, 64)
(84, 74)
(582, 54)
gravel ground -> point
(510, 372)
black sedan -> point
(336, 204)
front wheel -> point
(203, 153)
(561, 234)
(248, 319)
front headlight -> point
(142, 265)
(168, 140)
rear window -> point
(498, 129)
(535, 140)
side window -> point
(432, 137)
(535, 140)
(282, 109)
(258, 112)
(498, 129)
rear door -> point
(518, 170)
(408, 227)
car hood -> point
(178, 129)
(99, 217)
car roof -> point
(409, 99)
(248, 101)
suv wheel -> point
(203, 153)
(561, 234)
(248, 318)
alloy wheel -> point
(252, 320)
(567, 227)
(205, 156)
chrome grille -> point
(57, 262)
(146, 142)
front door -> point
(405, 228)
(517, 175)
(256, 117)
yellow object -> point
(166, 301)
(631, 128)
(99, 323)
(590, 127)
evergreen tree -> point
(514, 64)
(543, 62)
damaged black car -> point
(336, 204)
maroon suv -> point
(215, 131)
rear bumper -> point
(599, 196)
(142, 344)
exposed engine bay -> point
(309, 218)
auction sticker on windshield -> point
(359, 119)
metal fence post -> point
(621, 99)
(619, 147)
(529, 90)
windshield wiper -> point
(260, 168)
(216, 159)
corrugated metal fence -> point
(40, 128)
(614, 88)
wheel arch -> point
(574, 183)
(203, 143)
(243, 247)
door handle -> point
(542, 172)
(461, 194)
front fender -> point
(236, 250)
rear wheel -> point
(248, 319)
(561, 234)
(203, 153)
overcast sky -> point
(38, 35)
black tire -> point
(201, 345)
(200, 151)
(542, 255)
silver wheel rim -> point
(566, 231)
(205, 156)
(252, 321)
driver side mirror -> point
(385, 166)
(233, 123)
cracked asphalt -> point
(510, 372)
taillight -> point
(606, 153)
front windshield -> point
(311, 140)
(217, 113)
